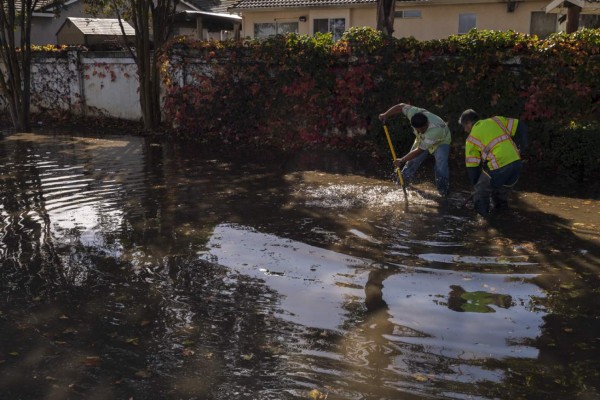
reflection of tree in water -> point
(377, 321)
(27, 252)
(115, 305)
(479, 301)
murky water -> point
(138, 270)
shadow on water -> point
(133, 269)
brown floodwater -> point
(136, 269)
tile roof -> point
(46, 6)
(101, 26)
(247, 4)
(38, 7)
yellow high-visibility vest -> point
(490, 140)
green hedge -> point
(296, 91)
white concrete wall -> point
(85, 84)
(110, 87)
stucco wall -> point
(85, 83)
(441, 21)
(71, 36)
(354, 17)
(110, 87)
(437, 20)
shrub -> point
(293, 90)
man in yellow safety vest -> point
(493, 157)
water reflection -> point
(138, 269)
(417, 319)
(462, 301)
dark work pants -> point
(496, 185)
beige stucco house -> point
(423, 19)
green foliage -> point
(573, 151)
(297, 90)
(364, 40)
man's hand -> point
(382, 118)
(399, 162)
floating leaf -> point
(316, 395)
(567, 286)
(420, 377)
(91, 361)
(143, 374)
(188, 352)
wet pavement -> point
(148, 270)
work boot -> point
(500, 205)
(482, 206)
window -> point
(466, 22)
(266, 29)
(408, 14)
(337, 26)
(542, 24)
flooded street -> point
(139, 270)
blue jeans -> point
(496, 184)
(442, 171)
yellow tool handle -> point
(389, 139)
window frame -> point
(403, 14)
(466, 15)
(276, 27)
(536, 29)
(330, 26)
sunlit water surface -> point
(132, 269)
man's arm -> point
(397, 109)
(474, 173)
(473, 159)
(521, 137)
(411, 155)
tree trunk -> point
(385, 16)
(15, 78)
(151, 20)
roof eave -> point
(211, 14)
(558, 7)
(242, 9)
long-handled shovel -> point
(389, 139)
